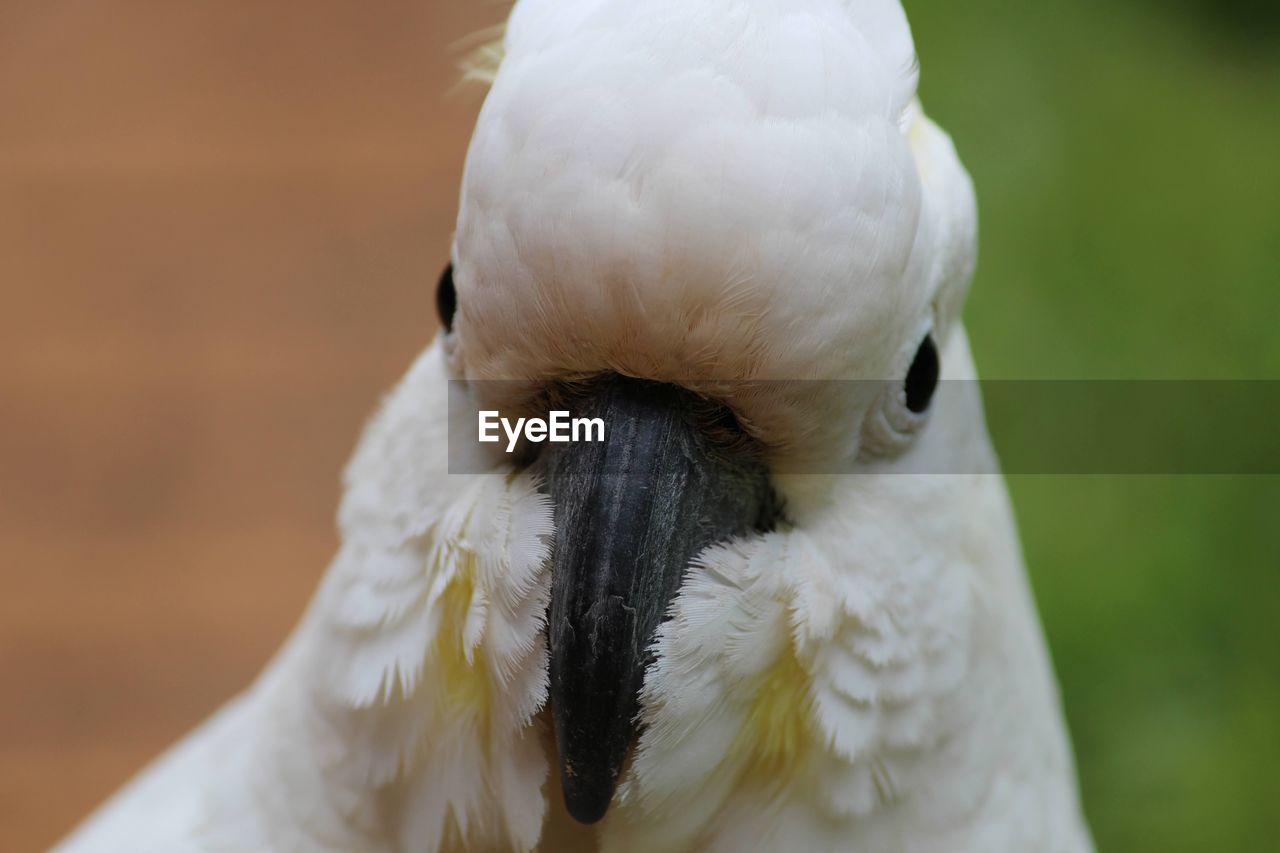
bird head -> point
(727, 228)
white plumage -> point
(708, 192)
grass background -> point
(1127, 163)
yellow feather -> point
(484, 53)
(778, 732)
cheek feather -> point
(778, 732)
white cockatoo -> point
(756, 616)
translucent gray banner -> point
(1064, 427)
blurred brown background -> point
(220, 226)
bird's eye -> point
(922, 378)
(902, 410)
(446, 298)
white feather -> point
(708, 192)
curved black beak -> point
(631, 513)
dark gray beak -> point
(631, 512)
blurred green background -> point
(1127, 163)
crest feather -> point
(484, 52)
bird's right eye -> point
(446, 298)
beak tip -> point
(586, 800)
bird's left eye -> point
(903, 410)
(446, 298)
(922, 378)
